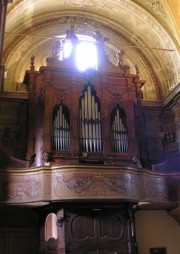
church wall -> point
(161, 133)
(156, 229)
(13, 127)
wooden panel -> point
(88, 183)
(111, 226)
(85, 225)
(96, 231)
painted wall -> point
(157, 229)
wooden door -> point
(96, 231)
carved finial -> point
(137, 69)
(136, 161)
(47, 157)
(120, 56)
(56, 49)
(70, 33)
(30, 158)
(99, 38)
(32, 67)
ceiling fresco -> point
(147, 30)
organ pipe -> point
(90, 118)
(119, 134)
(61, 129)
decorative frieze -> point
(66, 183)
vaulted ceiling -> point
(147, 30)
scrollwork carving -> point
(59, 96)
(30, 158)
(156, 6)
(60, 221)
(47, 156)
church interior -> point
(90, 127)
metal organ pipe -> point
(55, 133)
(99, 131)
(89, 118)
(61, 130)
(119, 134)
(96, 125)
(85, 120)
(83, 123)
(89, 102)
(93, 125)
(60, 127)
(90, 122)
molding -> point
(14, 95)
(156, 104)
(168, 102)
(173, 97)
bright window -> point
(67, 49)
(86, 56)
(86, 53)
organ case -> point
(86, 116)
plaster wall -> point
(157, 229)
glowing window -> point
(85, 54)
(67, 48)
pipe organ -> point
(61, 128)
(83, 135)
(78, 117)
(90, 121)
(80, 188)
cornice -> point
(14, 95)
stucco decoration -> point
(156, 6)
(126, 23)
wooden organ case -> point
(86, 118)
(92, 116)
